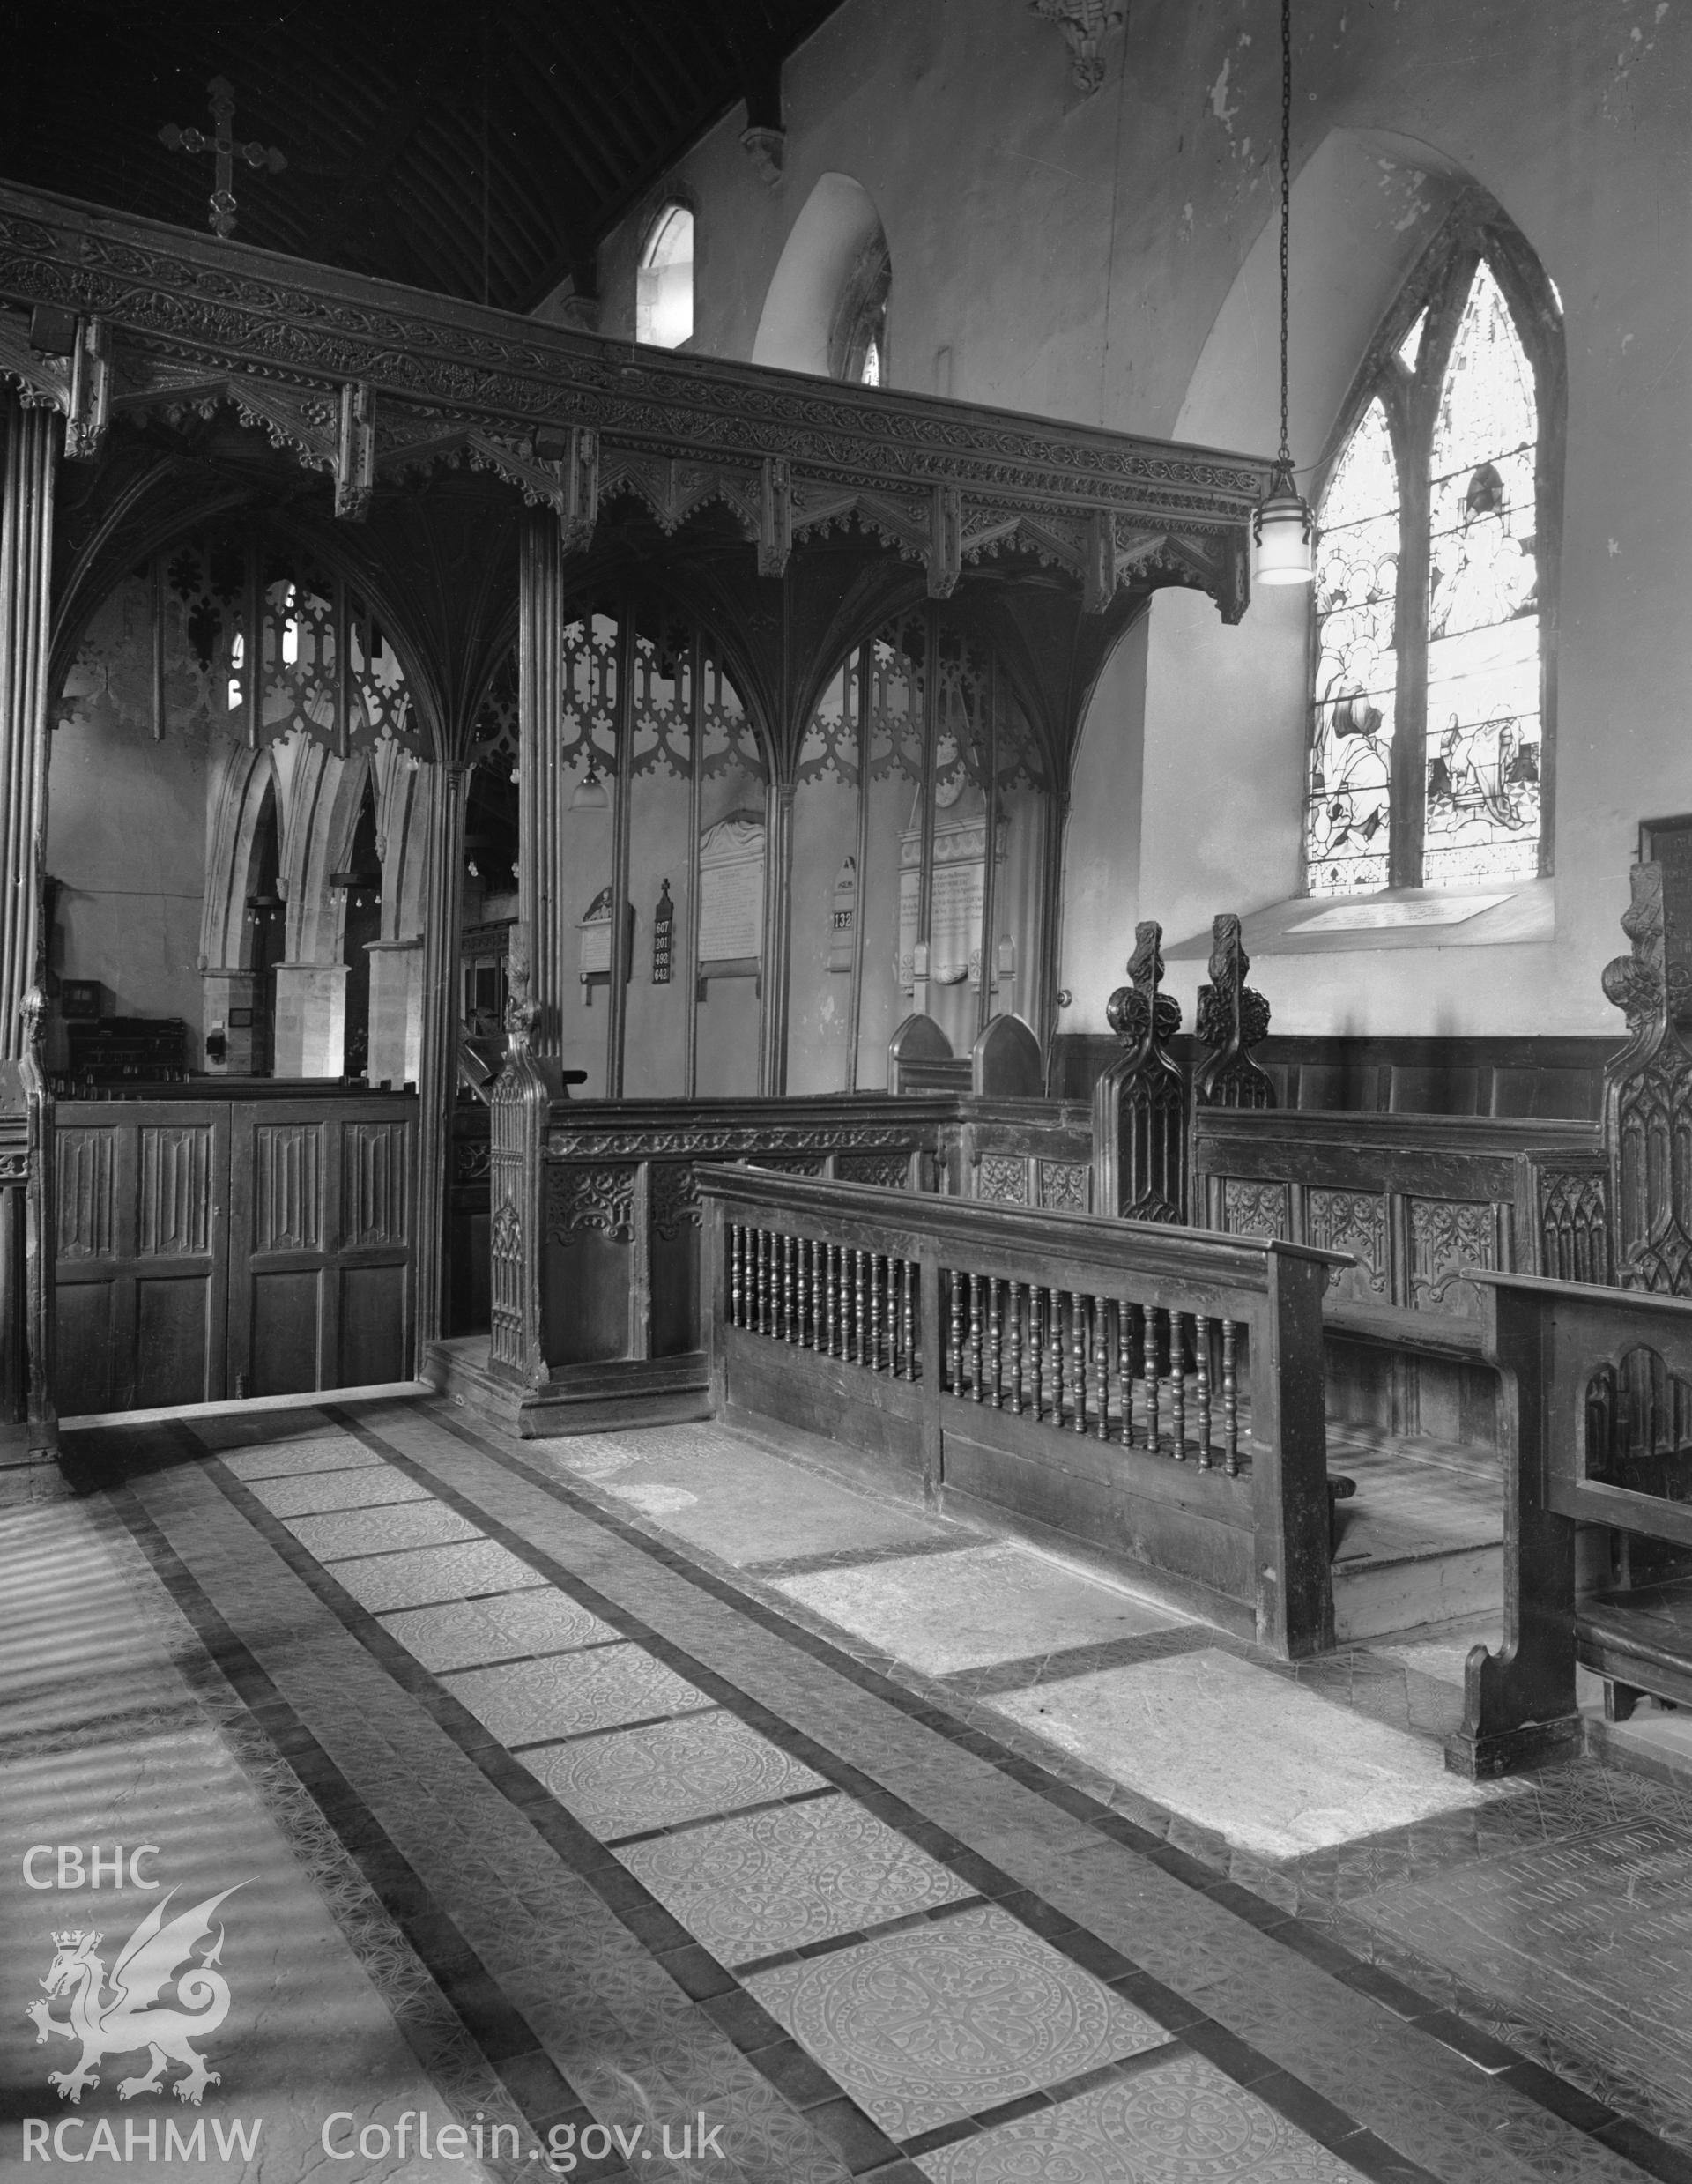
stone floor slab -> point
(943, 1612)
(1242, 1750)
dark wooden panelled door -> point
(143, 1254)
(320, 1269)
(214, 1248)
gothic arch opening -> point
(834, 258)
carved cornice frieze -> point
(570, 418)
(750, 1142)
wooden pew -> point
(1560, 1349)
(1004, 1063)
(1142, 1395)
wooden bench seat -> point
(1638, 1641)
(1557, 1345)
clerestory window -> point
(663, 285)
(1435, 556)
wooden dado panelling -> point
(321, 1254)
(208, 1248)
(142, 1254)
(620, 1206)
(1549, 1078)
(1417, 1201)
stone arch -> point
(826, 246)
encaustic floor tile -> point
(1180, 2122)
(932, 2024)
(631, 1780)
(764, 1882)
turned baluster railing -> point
(1152, 1344)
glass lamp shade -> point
(1281, 537)
(591, 794)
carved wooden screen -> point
(661, 788)
(1436, 562)
(920, 754)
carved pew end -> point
(1499, 1734)
(1340, 1489)
(1510, 1751)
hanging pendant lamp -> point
(590, 792)
(1281, 546)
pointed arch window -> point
(1432, 695)
(663, 284)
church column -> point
(25, 557)
(32, 449)
(443, 788)
(540, 927)
(778, 930)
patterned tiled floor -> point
(951, 2019)
(759, 1883)
(667, 1773)
(694, 1815)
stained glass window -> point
(1483, 784)
(1357, 674)
(1427, 593)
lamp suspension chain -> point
(1286, 205)
(1281, 529)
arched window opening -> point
(1482, 818)
(265, 633)
(1434, 556)
(1356, 673)
(266, 931)
(660, 792)
(663, 285)
(362, 884)
(858, 347)
(921, 843)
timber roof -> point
(480, 150)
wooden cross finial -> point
(222, 219)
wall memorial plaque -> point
(731, 891)
(956, 901)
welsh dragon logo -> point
(123, 2014)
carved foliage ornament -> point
(1232, 1018)
(1063, 1186)
(1353, 1221)
(579, 1197)
(1255, 1208)
(1447, 1237)
(1084, 24)
(1140, 1131)
(748, 1142)
(1647, 1102)
(1139, 1008)
(1002, 1179)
